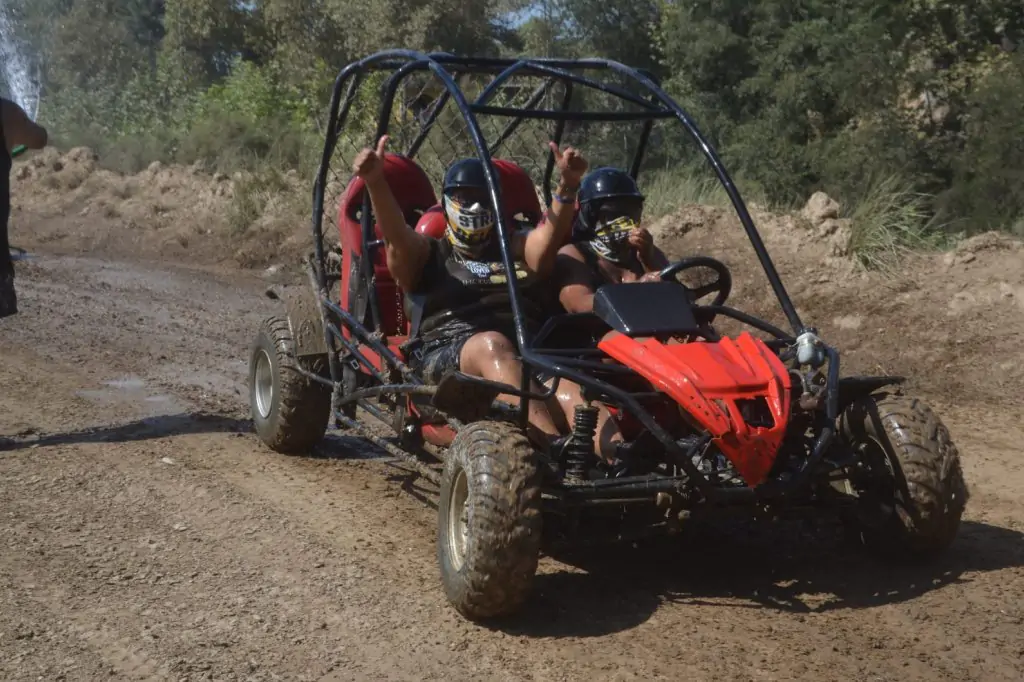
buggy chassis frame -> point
(399, 380)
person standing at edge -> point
(16, 130)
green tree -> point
(773, 82)
(622, 31)
(202, 37)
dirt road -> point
(146, 534)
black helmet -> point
(465, 173)
(469, 224)
(607, 182)
(601, 184)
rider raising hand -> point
(456, 287)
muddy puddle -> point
(135, 392)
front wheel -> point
(912, 491)
(489, 520)
(290, 410)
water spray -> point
(24, 89)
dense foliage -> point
(842, 95)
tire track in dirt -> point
(108, 653)
(193, 519)
(216, 581)
(300, 493)
(767, 607)
(390, 610)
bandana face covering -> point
(468, 226)
(611, 238)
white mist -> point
(16, 69)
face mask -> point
(611, 238)
(469, 227)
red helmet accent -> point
(433, 222)
(518, 194)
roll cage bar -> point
(658, 105)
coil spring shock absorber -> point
(580, 449)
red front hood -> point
(707, 379)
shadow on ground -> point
(334, 446)
(621, 586)
(138, 430)
(789, 566)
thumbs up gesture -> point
(571, 164)
(369, 163)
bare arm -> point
(19, 129)
(543, 242)
(405, 248)
(574, 281)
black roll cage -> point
(558, 362)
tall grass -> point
(890, 221)
(669, 189)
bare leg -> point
(492, 356)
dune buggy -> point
(759, 423)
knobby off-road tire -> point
(919, 481)
(290, 411)
(489, 520)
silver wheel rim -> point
(264, 384)
(458, 519)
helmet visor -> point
(613, 208)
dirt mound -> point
(951, 321)
(163, 212)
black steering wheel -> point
(723, 284)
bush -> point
(987, 190)
(252, 193)
(243, 123)
(228, 142)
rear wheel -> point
(290, 411)
(912, 493)
(489, 520)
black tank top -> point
(457, 294)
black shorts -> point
(8, 296)
(438, 356)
